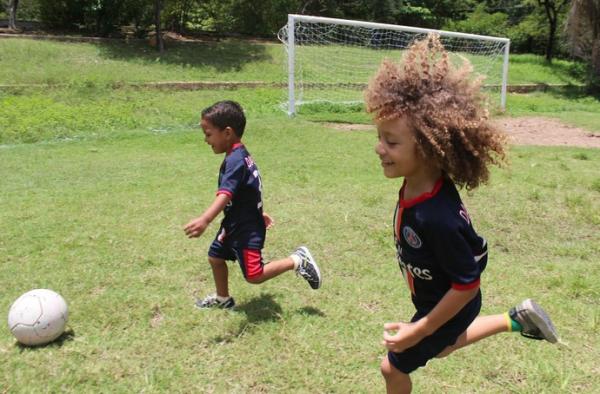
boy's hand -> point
(196, 227)
(407, 336)
(269, 222)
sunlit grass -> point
(100, 222)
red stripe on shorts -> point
(253, 263)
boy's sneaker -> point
(211, 301)
(535, 321)
(308, 268)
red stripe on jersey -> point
(467, 286)
(423, 197)
(236, 145)
(398, 221)
(253, 263)
(226, 192)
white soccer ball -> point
(38, 317)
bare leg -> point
(482, 327)
(396, 382)
(273, 269)
(220, 275)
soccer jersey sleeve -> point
(232, 177)
(454, 254)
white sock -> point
(297, 260)
(222, 299)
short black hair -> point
(224, 114)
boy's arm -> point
(452, 302)
(409, 334)
(269, 222)
(196, 227)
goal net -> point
(331, 60)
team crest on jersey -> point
(411, 237)
(249, 161)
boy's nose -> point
(379, 149)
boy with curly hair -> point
(241, 235)
(434, 132)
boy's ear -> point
(229, 132)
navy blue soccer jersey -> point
(239, 179)
(437, 247)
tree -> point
(12, 14)
(160, 44)
(481, 22)
(553, 9)
(583, 30)
(64, 14)
(177, 14)
(318, 7)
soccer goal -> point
(331, 60)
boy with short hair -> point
(241, 235)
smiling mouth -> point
(386, 163)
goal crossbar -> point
(374, 25)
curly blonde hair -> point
(445, 107)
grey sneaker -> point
(211, 301)
(535, 321)
(308, 268)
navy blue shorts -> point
(248, 254)
(418, 355)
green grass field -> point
(27, 61)
(96, 184)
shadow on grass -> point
(310, 311)
(221, 55)
(574, 92)
(66, 336)
(258, 310)
(261, 309)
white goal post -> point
(331, 60)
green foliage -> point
(63, 14)
(481, 22)
(529, 35)
(409, 15)
(523, 21)
(100, 17)
(262, 18)
(28, 10)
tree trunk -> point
(551, 15)
(12, 14)
(183, 16)
(553, 9)
(596, 59)
(550, 43)
(160, 45)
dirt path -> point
(547, 132)
(524, 131)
